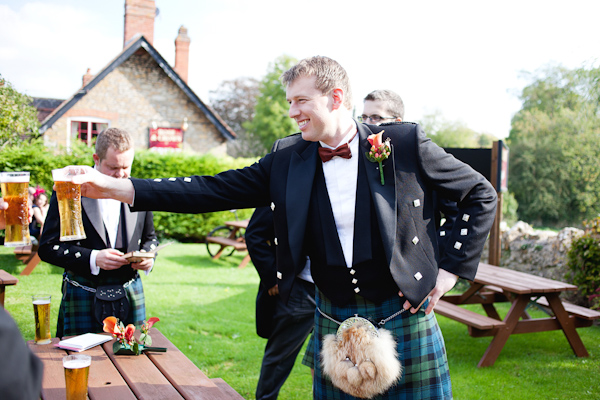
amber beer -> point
(41, 310)
(69, 205)
(15, 193)
(77, 369)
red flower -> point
(151, 322)
(375, 140)
(110, 325)
(129, 333)
(125, 334)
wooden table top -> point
(518, 282)
(7, 279)
(238, 224)
(163, 376)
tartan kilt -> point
(420, 345)
(76, 314)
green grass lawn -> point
(206, 309)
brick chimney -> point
(139, 20)
(87, 77)
(182, 51)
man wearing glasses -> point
(382, 106)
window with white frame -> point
(87, 129)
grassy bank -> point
(206, 309)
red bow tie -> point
(327, 154)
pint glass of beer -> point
(41, 310)
(15, 193)
(69, 205)
(77, 369)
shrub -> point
(35, 157)
(584, 263)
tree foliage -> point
(234, 100)
(554, 142)
(18, 119)
(453, 134)
(271, 120)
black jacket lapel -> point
(384, 196)
(301, 174)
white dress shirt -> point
(341, 176)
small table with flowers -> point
(169, 375)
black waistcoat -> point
(369, 276)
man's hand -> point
(96, 185)
(3, 206)
(144, 265)
(109, 259)
(444, 283)
(274, 291)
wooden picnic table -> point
(234, 240)
(163, 376)
(494, 285)
(6, 279)
(29, 256)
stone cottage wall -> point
(136, 94)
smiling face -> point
(116, 163)
(311, 109)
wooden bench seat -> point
(24, 249)
(227, 242)
(467, 317)
(573, 309)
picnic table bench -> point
(232, 240)
(29, 256)
(6, 279)
(494, 285)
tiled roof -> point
(45, 106)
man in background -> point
(112, 230)
(286, 326)
(382, 106)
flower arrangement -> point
(126, 343)
(380, 151)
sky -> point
(463, 59)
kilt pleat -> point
(420, 345)
(76, 306)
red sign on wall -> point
(166, 138)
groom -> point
(372, 246)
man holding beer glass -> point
(111, 230)
(21, 377)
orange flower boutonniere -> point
(380, 150)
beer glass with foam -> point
(15, 192)
(41, 310)
(77, 369)
(69, 204)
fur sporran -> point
(360, 359)
(111, 300)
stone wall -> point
(542, 253)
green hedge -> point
(39, 160)
(584, 263)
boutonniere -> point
(126, 342)
(379, 151)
